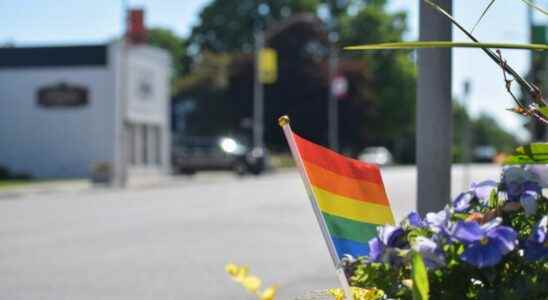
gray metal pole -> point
(434, 111)
(332, 102)
(258, 95)
(466, 138)
(121, 165)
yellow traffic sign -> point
(268, 65)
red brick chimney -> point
(136, 31)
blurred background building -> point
(86, 110)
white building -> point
(65, 111)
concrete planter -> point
(102, 173)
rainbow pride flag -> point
(348, 196)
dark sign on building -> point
(62, 95)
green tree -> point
(486, 131)
(483, 131)
(206, 87)
(228, 25)
(379, 107)
(392, 77)
(175, 45)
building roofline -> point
(54, 56)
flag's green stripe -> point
(348, 229)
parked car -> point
(191, 154)
(376, 155)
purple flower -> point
(463, 201)
(536, 246)
(415, 220)
(541, 171)
(485, 245)
(391, 236)
(482, 190)
(518, 181)
(516, 189)
(430, 252)
(528, 200)
(382, 248)
(439, 221)
(376, 249)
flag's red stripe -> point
(337, 163)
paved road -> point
(172, 242)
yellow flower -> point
(231, 269)
(249, 282)
(252, 283)
(357, 293)
(237, 273)
(269, 293)
(241, 274)
(337, 293)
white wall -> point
(55, 142)
(151, 67)
(150, 110)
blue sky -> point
(44, 22)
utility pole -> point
(434, 111)
(258, 95)
(332, 101)
(120, 175)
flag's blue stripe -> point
(350, 247)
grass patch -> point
(5, 184)
(282, 161)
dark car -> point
(191, 154)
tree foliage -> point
(379, 107)
(229, 25)
(483, 130)
(217, 72)
(175, 45)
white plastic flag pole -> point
(284, 123)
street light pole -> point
(434, 111)
(121, 163)
(258, 95)
(332, 102)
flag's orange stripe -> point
(346, 186)
(355, 210)
(337, 163)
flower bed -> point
(489, 243)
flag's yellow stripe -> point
(352, 209)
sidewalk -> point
(141, 181)
(40, 187)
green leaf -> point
(446, 44)
(535, 153)
(420, 278)
(493, 199)
(543, 110)
(533, 149)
